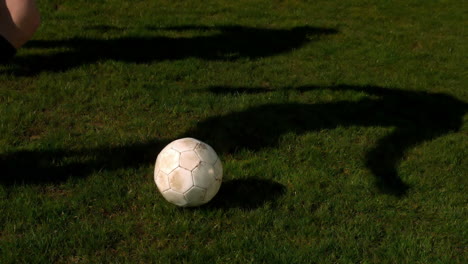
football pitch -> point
(342, 127)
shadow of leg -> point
(384, 159)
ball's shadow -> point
(246, 194)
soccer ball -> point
(188, 172)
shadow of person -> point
(415, 116)
(58, 165)
(223, 43)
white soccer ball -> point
(188, 172)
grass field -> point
(342, 127)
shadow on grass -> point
(225, 43)
(246, 194)
(56, 166)
(415, 116)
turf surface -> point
(342, 127)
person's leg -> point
(19, 19)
